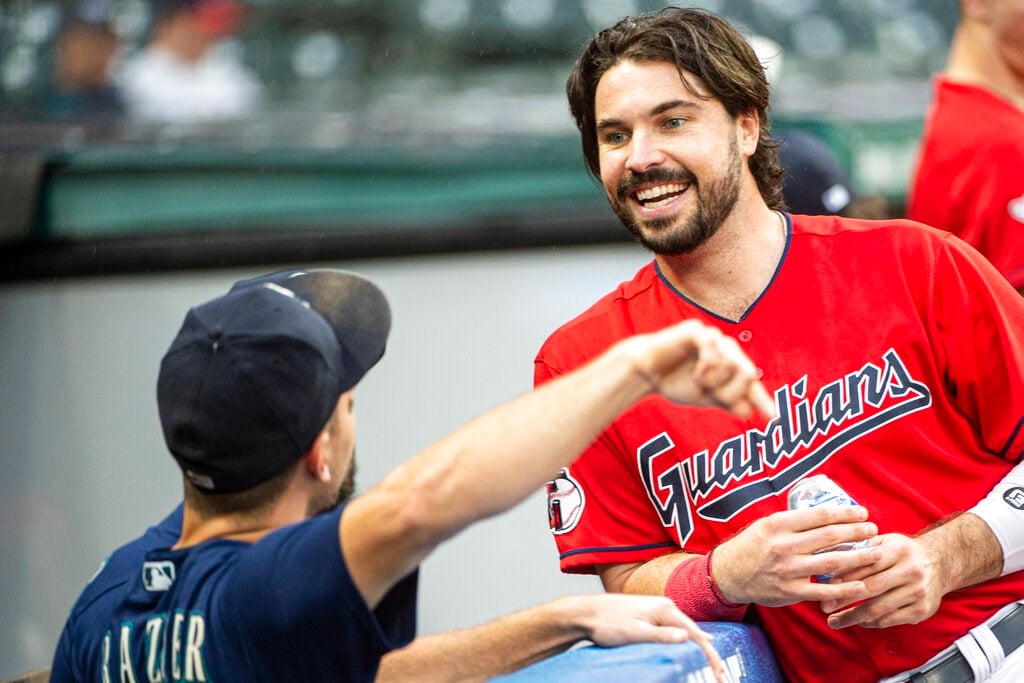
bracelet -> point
(691, 587)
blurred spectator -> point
(816, 182)
(181, 75)
(969, 176)
(83, 64)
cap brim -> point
(355, 308)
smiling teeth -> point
(659, 192)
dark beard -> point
(345, 491)
(716, 201)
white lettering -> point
(127, 670)
(194, 670)
(179, 617)
(154, 649)
(106, 658)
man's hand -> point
(908, 581)
(771, 561)
(904, 586)
(614, 619)
(696, 364)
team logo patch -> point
(1015, 497)
(157, 576)
(565, 503)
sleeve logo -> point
(565, 503)
(1015, 497)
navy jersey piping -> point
(620, 549)
(778, 267)
(1013, 437)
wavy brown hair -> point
(700, 43)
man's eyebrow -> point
(660, 109)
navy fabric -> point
(284, 608)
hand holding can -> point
(817, 490)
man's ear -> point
(316, 458)
(749, 132)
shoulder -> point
(122, 566)
(305, 549)
(957, 106)
(612, 317)
(877, 234)
(863, 251)
(908, 250)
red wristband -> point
(714, 585)
(693, 589)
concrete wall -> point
(83, 466)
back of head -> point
(84, 54)
(816, 182)
(252, 377)
(698, 42)
(188, 29)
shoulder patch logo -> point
(1015, 497)
(565, 503)
(157, 576)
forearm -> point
(498, 459)
(1002, 511)
(501, 457)
(522, 444)
(986, 541)
(964, 550)
(501, 646)
(642, 578)
(685, 578)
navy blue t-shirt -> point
(282, 609)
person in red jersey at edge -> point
(969, 175)
(894, 352)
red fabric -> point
(969, 175)
(219, 18)
(692, 588)
(896, 353)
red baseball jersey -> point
(895, 353)
(969, 176)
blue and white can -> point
(815, 490)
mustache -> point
(634, 181)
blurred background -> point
(147, 162)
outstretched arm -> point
(511, 642)
(387, 531)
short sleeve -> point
(294, 586)
(977, 325)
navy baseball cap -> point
(253, 376)
(815, 182)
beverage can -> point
(819, 489)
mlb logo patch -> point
(157, 576)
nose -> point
(644, 153)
